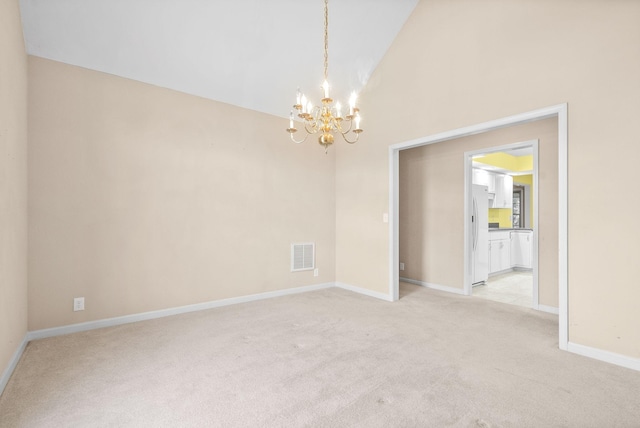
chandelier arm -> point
(349, 129)
(314, 127)
(296, 141)
(344, 137)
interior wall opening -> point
(447, 230)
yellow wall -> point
(501, 216)
(13, 184)
(465, 62)
(143, 198)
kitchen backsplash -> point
(501, 216)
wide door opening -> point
(429, 231)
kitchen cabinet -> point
(499, 251)
(484, 178)
(499, 187)
(521, 248)
(503, 191)
(499, 255)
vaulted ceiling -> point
(250, 53)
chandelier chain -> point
(326, 39)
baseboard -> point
(434, 286)
(110, 322)
(606, 356)
(364, 291)
(549, 309)
(4, 379)
(500, 272)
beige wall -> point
(463, 62)
(432, 206)
(142, 198)
(13, 182)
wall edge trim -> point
(161, 313)
(364, 291)
(433, 286)
(606, 356)
(13, 362)
(548, 309)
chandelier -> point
(326, 119)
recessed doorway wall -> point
(449, 227)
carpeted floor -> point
(329, 358)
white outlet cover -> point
(78, 304)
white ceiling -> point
(250, 53)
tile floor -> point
(515, 288)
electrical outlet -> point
(385, 218)
(315, 272)
(401, 266)
(78, 304)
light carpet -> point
(328, 358)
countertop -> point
(497, 229)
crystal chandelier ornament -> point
(326, 119)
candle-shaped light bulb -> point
(352, 102)
(298, 97)
(303, 103)
(339, 109)
(325, 86)
(309, 107)
(291, 119)
(357, 120)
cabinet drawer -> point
(497, 235)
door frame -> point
(468, 182)
(560, 111)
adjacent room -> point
(260, 213)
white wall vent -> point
(303, 256)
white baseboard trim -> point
(110, 322)
(434, 286)
(4, 379)
(549, 309)
(500, 272)
(606, 356)
(364, 291)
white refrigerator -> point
(480, 234)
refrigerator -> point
(480, 234)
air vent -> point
(303, 256)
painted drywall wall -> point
(464, 62)
(432, 206)
(13, 183)
(143, 198)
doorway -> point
(559, 112)
(509, 249)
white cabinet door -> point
(484, 178)
(522, 249)
(504, 191)
(499, 255)
(494, 256)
